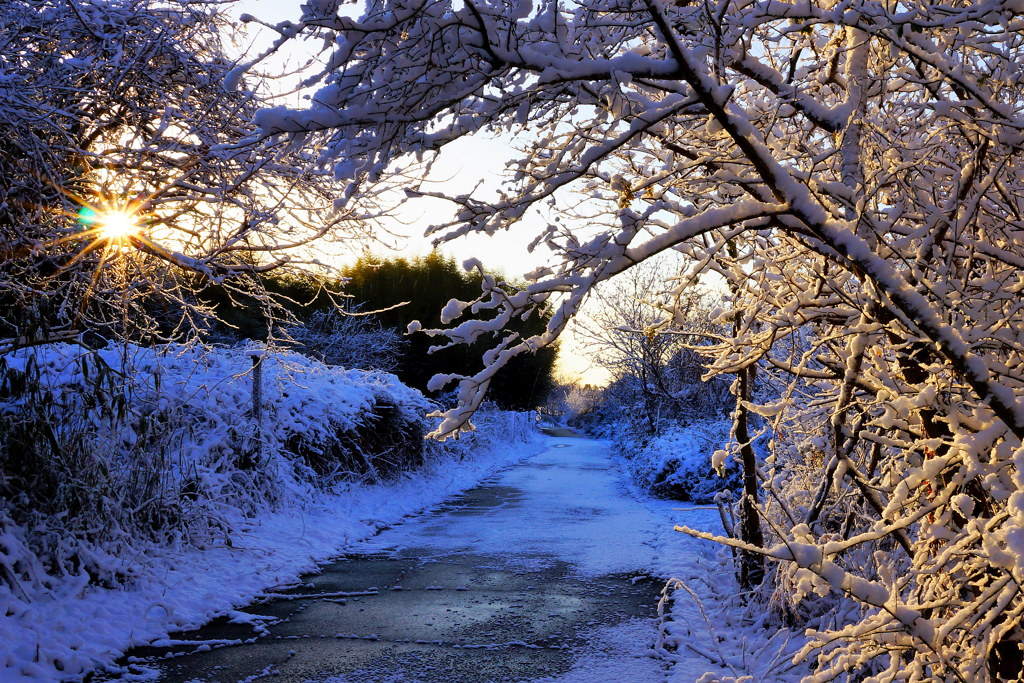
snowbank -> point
(676, 462)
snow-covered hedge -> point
(101, 451)
(676, 462)
(670, 450)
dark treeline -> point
(396, 291)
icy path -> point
(542, 573)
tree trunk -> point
(751, 564)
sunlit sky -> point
(460, 167)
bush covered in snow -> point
(101, 451)
(670, 452)
(672, 461)
(677, 463)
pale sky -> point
(460, 168)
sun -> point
(112, 223)
(118, 226)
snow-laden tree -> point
(646, 340)
(852, 169)
(125, 182)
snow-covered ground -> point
(523, 576)
(80, 627)
(155, 523)
(249, 529)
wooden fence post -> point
(254, 448)
(257, 391)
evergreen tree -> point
(418, 289)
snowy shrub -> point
(669, 453)
(678, 463)
(577, 401)
(601, 421)
(353, 341)
(494, 427)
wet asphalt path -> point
(539, 574)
